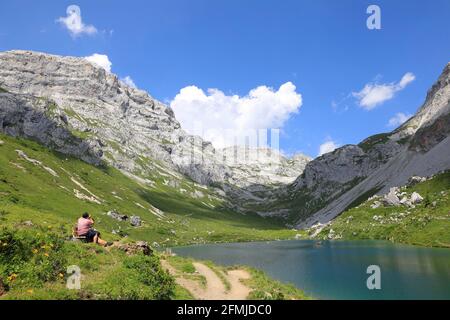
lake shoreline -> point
(444, 246)
(337, 269)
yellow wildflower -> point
(12, 277)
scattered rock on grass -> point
(375, 205)
(134, 248)
(415, 180)
(135, 221)
(117, 215)
(28, 223)
(391, 198)
(155, 244)
(416, 198)
(197, 194)
(119, 233)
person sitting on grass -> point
(84, 229)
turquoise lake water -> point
(338, 269)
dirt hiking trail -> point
(215, 288)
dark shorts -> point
(91, 234)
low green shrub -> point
(265, 288)
(30, 258)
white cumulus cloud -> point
(398, 119)
(374, 94)
(327, 146)
(212, 113)
(129, 82)
(100, 60)
(74, 23)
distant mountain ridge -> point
(79, 109)
(50, 96)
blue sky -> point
(323, 47)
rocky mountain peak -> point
(437, 103)
(262, 166)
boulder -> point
(415, 180)
(117, 215)
(135, 248)
(405, 201)
(416, 198)
(391, 199)
(155, 244)
(135, 221)
(28, 223)
(331, 234)
(375, 205)
(197, 194)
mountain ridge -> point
(129, 128)
(419, 147)
(79, 109)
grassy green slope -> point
(29, 192)
(34, 261)
(38, 209)
(428, 224)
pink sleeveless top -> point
(83, 226)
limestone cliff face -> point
(80, 109)
(127, 124)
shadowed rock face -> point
(426, 138)
(27, 116)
